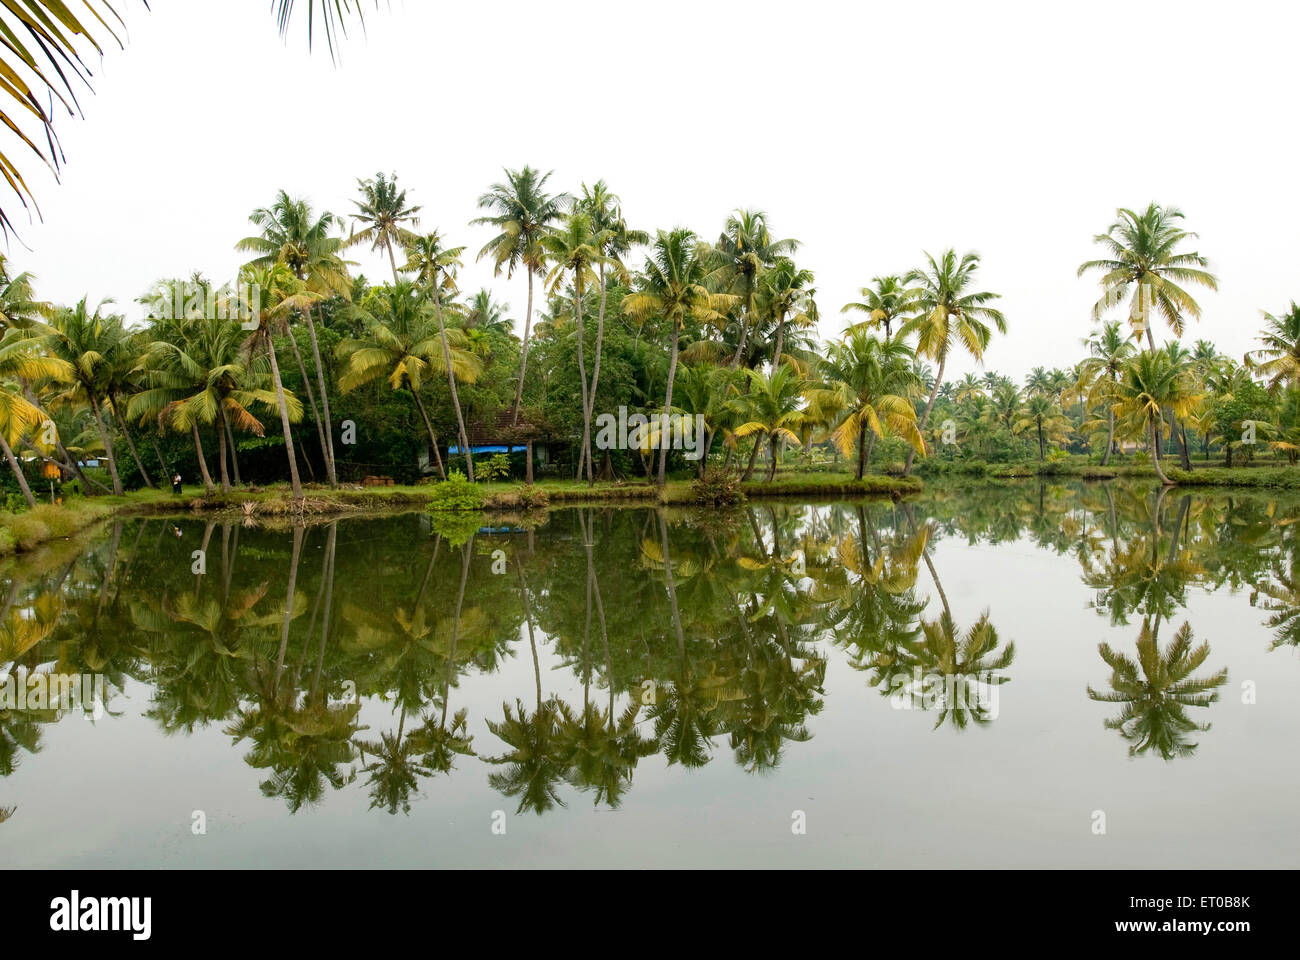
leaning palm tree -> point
(1144, 261)
(22, 360)
(1151, 385)
(948, 312)
(436, 266)
(885, 303)
(1279, 357)
(672, 288)
(383, 213)
(523, 211)
(869, 384)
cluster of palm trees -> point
(724, 330)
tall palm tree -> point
(671, 287)
(23, 360)
(1151, 385)
(743, 251)
(482, 312)
(885, 303)
(294, 235)
(948, 312)
(617, 240)
(523, 211)
(282, 294)
(575, 249)
(869, 387)
(1108, 352)
(384, 214)
(1144, 261)
(435, 265)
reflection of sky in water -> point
(878, 785)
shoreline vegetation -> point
(25, 532)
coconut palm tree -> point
(282, 294)
(671, 287)
(435, 265)
(947, 312)
(617, 240)
(89, 342)
(294, 235)
(383, 214)
(787, 296)
(885, 303)
(869, 387)
(1151, 385)
(774, 409)
(1279, 357)
(1108, 352)
(1145, 264)
(1041, 414)
(576, 248)
(482, 312)
(743, 251)
(523, 211)
(23, 360)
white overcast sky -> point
(870, 132)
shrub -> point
(455, 493)
(717, 488)
(531, 497)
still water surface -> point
(641, 689)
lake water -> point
(1013, 675)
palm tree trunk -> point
(744, 326)
(208, 485)
(108, 445)
(221, 449)
(1110, 436)
(121, 425)
(18, 473)
(862, 449)
(451, 382)
(925, 418)
(311, 401)
(753, 459)
(1181, 431)
(433, 437)
(780, 342)
(294, 482)
(771, 450)
(392, 259)
(324, 402)
(583, 453)
(668, 405)
(1155, 453)
(595, 373)
(234, 457)
(523, 352)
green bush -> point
(455, 493)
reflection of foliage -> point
(539, 757)
(456, 526)
(1156, 689)
(604, 751)
(944, 651)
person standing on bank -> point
(176, 484)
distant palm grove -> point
(303, 371)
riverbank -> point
(1262, 476)
(23, 532)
